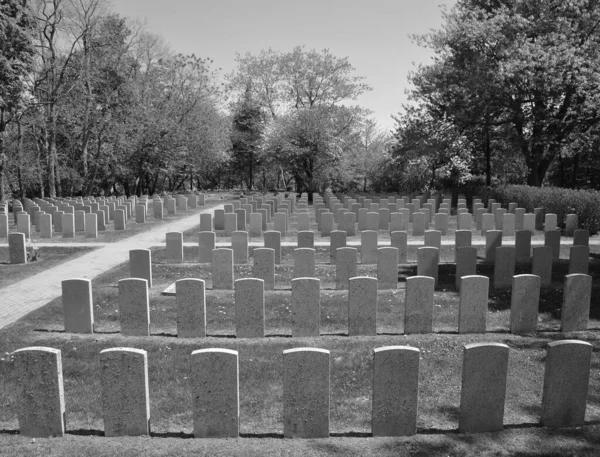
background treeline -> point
(90, 102)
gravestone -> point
(519, 219)
(433, 238)
(399, 240)
(91, 225)
(550, 222)
(125, 395)
(273, 240)
(119, 215)
(24, 225)
(441, 223)
(372, 221)
(428, 262)
(508, 224)
(465, 221)
(552, 239)
(17, 253)
(45, 225)
(249, 308)
(418, 313)
(462, 238)
(214, 382)
(206, 244)
(134, 309)
(241, 219)
(524, 303)
(466, 263)
(206, 224)
(280, 223)
(504, 267)
(306, 307)
(395, 391)
(538, 214)
(368, 247)
(346, 266)
(78, 307)
(190, 294)
(337, 240)
(239, 244)
(306, 239)
(303, 221)
(222, 269)
(541, 264)
(174, 247)
(362, 306)
(68, 225)
(571, 224)
(219, 219)
(40, 399)
(387, 268)
(157, 206)
(230, 223)
(326, 224)
(487, 223)
(579, 259)
(473, 307)
(483, 390)
(581, 238)
(566, 381)
(575, 310)
(523, 246)
(256, 224)
(493, 240)
(418, 224)
(306, 384)
(264, 266)
(304, 263)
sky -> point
(373, 34)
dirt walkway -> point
(29, 294)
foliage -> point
(309, 127)
(33, 252)
(529, 66)
(557, 200)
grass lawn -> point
(261, 407)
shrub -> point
(33, 253)
(557, 200)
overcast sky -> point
(373, 34)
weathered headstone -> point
(395, 391)
(539, 214)
(566, 381)
(206, 244)
(119, 215)
(493, 240)
(304, 263)
(571, 224)
(306, 307)
(552, 239)
(230, 223)
(387, 268)
(524, 303)
(134, 308)
(306, 239)
(550, 221)
(399, 240)
(575, 310)
(125, 393)
(249, 308)
(219, 219)
(483, 390)
(428, 262)
(174, 247)
(466, 263)
(418, 312)
(473, 307)
(541, 264)
(206, 224)
(441, 223)
(264, 266)
(581, 238)
(337, 240)
(214, 382)
(368, 247)
(16, 248)
(239, 244)
(273, 240)
(579, 259)
(306, 393)
(78, 308)
(346, 266)
(190, 297)
(418, 224)
(362, 306)
(222, 269)
(504, 267)
(40, 392)
(523, 246)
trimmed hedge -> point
(557, 200)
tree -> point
(306, 94)
(16, 60)
(247, 135)
(532, 65)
